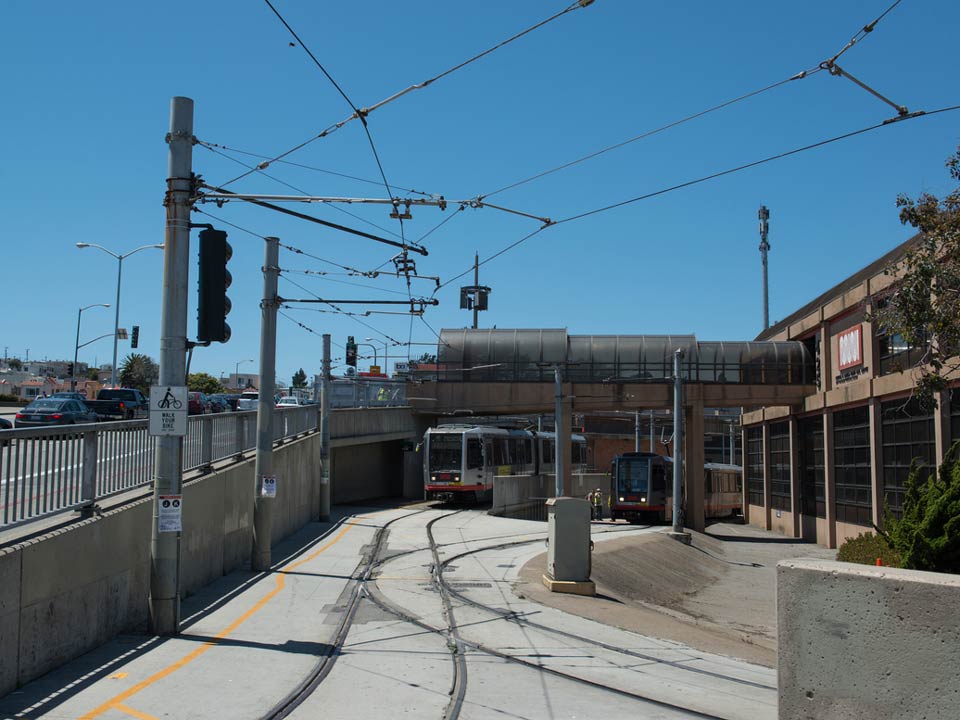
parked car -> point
(70, 395)
(289, 401)
(218, 403)
(198, 404)
(54, 411)
(5, 424)
(229, 399)
(248, 400)
(119, 404)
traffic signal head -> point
(135, 336)
(212, 301)
(70, 370)
(351, 351)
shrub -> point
(16, 399)
(866, 548)
(927, 535)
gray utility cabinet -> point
(568, 551)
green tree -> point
(138, 371)
(427, 359)
(93, 373)
(15, 364)
(202, 382)
(927, 535)
(924, 309)
(299, 379)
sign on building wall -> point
(850, 347)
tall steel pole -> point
(764, 216)
(653, 434)
(677, 441)
(476, 284)
(116, 320)
(263, 466)
(325, 432)
(76, 346)
(561, 437)
(167, 475)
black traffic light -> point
(212, 301)
(135, 336)
(70, 370)
(351, 351)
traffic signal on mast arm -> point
(214, 279)
(351, 351)
(135, 336)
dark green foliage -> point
(15, 399)
(205, 383)
(927, 536)
(866, 548)
(138, 371)
(299, 379)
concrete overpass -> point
(501, 372)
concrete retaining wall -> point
(524, 495)
(856, 641)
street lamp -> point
(384, 369)
(236, 371)
(76, 345)
(374, 350)
(116, 323)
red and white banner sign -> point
(850, 347)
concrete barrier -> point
(856, 641)
(70, 590)
(523, 496)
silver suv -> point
(248, 400)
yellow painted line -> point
(135, 713)
(116, 702)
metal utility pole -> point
(677, 441)
(561, 435)
(168, 466)
(653, 433)
(476, 283)
(764, 216)
(265, 483)
(325, 432)
(636, 431)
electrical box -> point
(568, 552)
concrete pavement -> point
(251, 641)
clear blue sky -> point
(87, 88)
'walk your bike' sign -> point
(168, 410)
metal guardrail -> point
(48, 470)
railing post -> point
(206, 443)
(88, 479)
(240, 430)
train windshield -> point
(633, 475)
(446, 452)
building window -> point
(813, 485)
(907, 436)
(780, 466)
(754, 469)
(851, 462)
(897, 355)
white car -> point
(248, 400)
(288, 401)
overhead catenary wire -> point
(798, 76)
(697, 181)
(364, 112)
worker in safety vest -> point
(597, 504)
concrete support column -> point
(876, 460)
(941, 426)
(830, 479)
(795, 475)
(766, 476)
(826, 358)
(743, 472)
(693, 453)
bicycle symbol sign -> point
(168, 410)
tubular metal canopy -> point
(495, 355)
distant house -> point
(37, 387)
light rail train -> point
(642, 488)
(463, 460)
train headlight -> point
(643, 499)
(621, 499)
(433, 478)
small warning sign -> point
(171, 513)
(268, 486)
